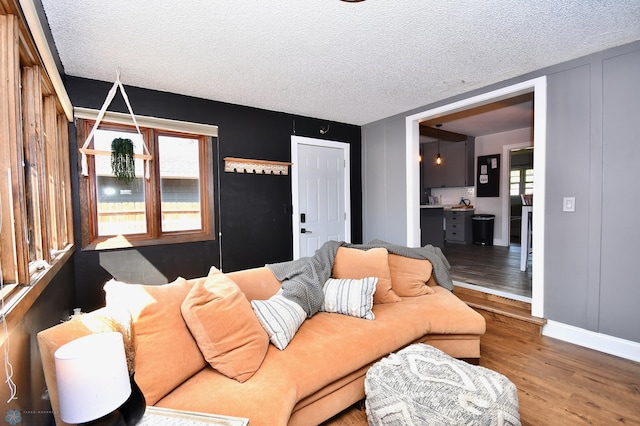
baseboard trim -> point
(600, 342)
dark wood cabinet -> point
(456, 168)
(432, 226)
(458, 224)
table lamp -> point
(92, 379)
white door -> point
(320, 186)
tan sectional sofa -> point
(186, 361)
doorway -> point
(497, 269)
(538, 88)
(521, 178)
(320, 188)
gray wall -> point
(384, 195)
(593, 153)
(619, 289)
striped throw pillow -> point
(280, 317)
(350, 296)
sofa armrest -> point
(51, 339)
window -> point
(172, 205)
(120, 207)
(36, 228)
(520, 181)
(179, 183)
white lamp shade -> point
(92, 377)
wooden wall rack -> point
(261, 167)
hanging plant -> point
(122, 160)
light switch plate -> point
(569, 204)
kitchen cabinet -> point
(431, 226)
(457, 164)
(458, 226)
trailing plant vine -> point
(122, 160)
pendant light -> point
(438, 157)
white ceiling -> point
(348, 62)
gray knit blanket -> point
(303, 279)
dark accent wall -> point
(54, 304)
(253, 212)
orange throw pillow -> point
(166, 353)
(356, 263)
(223, 323)
(409, 276)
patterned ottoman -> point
(421, 385)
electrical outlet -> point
(569, 204)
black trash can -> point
(482, 229)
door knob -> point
(305, 231)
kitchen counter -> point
(455, 207)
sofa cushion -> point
(312, 360)
(256, 283)
(409, 276)
(325, 357)
(350, 297)
(356, 263)
(166, 353)
(226, 329)
(280, 317)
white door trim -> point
(539, 88)
(346, 149)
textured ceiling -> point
(349, 62)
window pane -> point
(528, 188)
(33, 217)
(121, 206)
(514, 182)
(529, 175)
(179, 162)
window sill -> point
(121, 241)
(24, 296)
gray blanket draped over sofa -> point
(303, 279)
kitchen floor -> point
(492, 267)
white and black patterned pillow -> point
(422, 385)
(280, 317)
(350, 296)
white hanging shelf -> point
(260, 167)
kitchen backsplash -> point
(452, 196)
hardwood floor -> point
(493, 267)
(558, 383)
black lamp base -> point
(111, 419)
(134, 407)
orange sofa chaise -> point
(320, 372)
